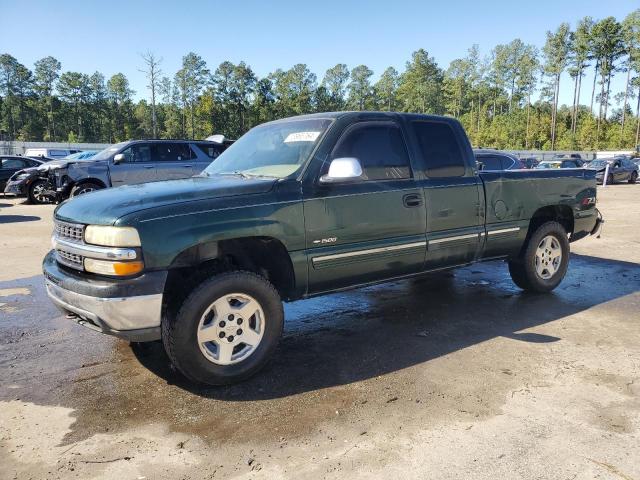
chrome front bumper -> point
(134, 318)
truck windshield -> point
(275, 150)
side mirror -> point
(118, 158)
(480, 166)
(343, 170)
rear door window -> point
(379, 148)
(172, 152)
(440, 149)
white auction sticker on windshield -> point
(301, 137)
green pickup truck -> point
(296, 208)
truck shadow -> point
(353, 336)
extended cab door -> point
(137, 166)
(370, 229)
(453, 192)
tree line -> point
(508, 99)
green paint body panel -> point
(346, 235)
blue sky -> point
(110, 35)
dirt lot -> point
(455, 376)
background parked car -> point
(50, 152)
(34, 183)
(565, 156)
(10, 164)
(496, 160)
(132, 162)
(574, 163)
(530, 162)
(82, 155)
(621, 169)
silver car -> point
(128, 163)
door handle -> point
(187, 166)
(412, 200)
(148, 166)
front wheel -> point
(38, 192)
(83, 188)
(544, 261)
(633, 178)
(226, 330)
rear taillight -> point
(588, 201)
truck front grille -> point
(69, 259)
(69, 231)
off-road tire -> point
(83, 188)
(179, 331)
(523, 268)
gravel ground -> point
(458, 375)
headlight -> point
(112, 236)
(22, 176)
(106, 267)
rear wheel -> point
(83, 188)
(544, 261)
(226, 330)
(37, 191)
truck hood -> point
(106, 206)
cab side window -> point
(379, 148)
(440, 149)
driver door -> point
(372, 228)
(137, 166)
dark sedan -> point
(621, 169)
(10, 164)
(496, 160)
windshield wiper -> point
(236, 173)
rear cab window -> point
(440, 149)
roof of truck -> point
(364, 113)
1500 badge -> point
(326, 240)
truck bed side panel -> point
(512, 198)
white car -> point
(49, 152)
